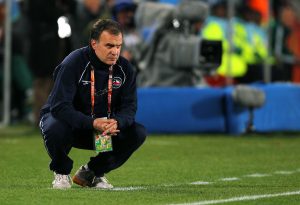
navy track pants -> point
(59, 138)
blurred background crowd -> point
(260, 42)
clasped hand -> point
(106, 126)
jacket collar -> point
(95, 61)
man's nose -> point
(115, 51)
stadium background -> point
(25, 84)
(199, 148)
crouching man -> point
(94, 91)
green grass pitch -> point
(167, 169)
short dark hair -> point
(101, 25)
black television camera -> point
(172, 50)
(189, 49)
(195, 52)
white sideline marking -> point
(284, 172)
(242, 198)
(201, 183)
(257, 175)
(170, 185)
(131, 188)
(229, 179)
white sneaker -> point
(101, 183)
(61, 181)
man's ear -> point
(93, 44)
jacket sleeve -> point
(63, 93)
(125, 114)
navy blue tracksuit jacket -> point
(70, 99)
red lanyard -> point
(109, 91)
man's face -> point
(126, 18)
(108, 47)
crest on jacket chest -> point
(117, 82)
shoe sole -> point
(80, 182)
